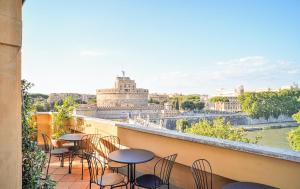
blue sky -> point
(166, 46)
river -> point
(272, 137)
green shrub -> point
(294, 139)
(63, 112)
(33, 158)
(182, 125)
(218, 128)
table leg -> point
(131, 175)
(71, 158)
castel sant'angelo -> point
(123, 101)
(124, 94)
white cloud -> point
(256, 71)
(92, 53)
(253, 67)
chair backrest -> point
(96, 168)
(163, 168)
(86, 144)
(109, 144)
(202, 174)
(47, 143)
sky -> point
(167, 46)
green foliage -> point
(187, 102)
(177, 105)
(33, 158)
(182, 125)
(294, 139)
(219, 99)
(152, 101)
(267, 104)
(42, 106)
(188, 105)
(218, 128)
(38, 95)
(63, 112)
(294, 135)
(296, 117)
(92, 101)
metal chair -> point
(202, 174)
(88, 144)
(107, 145)
(59, 152)
(97, 175)
(161, 176)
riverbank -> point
(276, 138)
(268, 126)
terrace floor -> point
(64, 180)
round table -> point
(246, 185)
(76, 138)
(131, 157)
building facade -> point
(232, 104)
(124, 94)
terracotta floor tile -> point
(63, 185)
(80, 185)
(61, 170)
(56, 177)
(70, 178)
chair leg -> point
(81, 168)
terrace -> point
(230, 161)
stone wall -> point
(234, 119)
(122, 99)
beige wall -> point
(10, 97)
(226, 163)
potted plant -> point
(63, 112)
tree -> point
(219, 99)
(199, 105)
(33, 158)
(188, 105)
(218, 128)
(177, 105)
(296, 117)
(294, 135)
(269, 103)
(63, 112)
(182, 125)
(152, 101)
(294, 139)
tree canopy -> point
(218, 128)
(187, 102)
(219, 99)
(182, 125)
(270, 103)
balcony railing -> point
(231, 161)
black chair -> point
(107, 145)
(161, 176)
(88, 144)
(202, 174)
(59, 152)
(99, 177)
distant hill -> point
(45, 102)
(79, 98)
